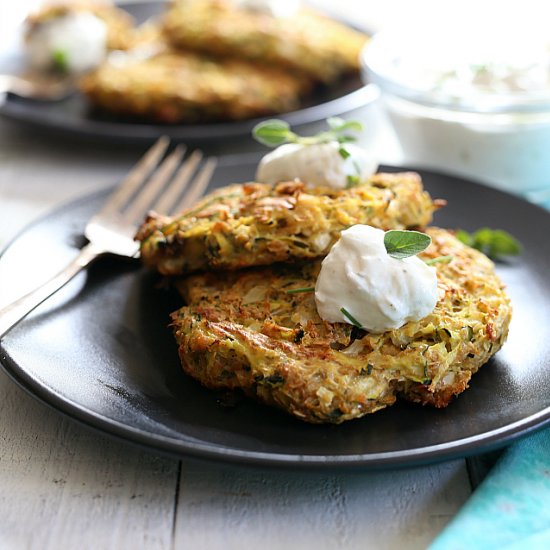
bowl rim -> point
(374, 59)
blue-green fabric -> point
(510, 510)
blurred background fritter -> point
(197, 60)
(182, 86)
(306, 42)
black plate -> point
(72, 115)
(100, 351)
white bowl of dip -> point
(475, 106)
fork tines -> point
(166, 186)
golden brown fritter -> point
(245, 330)
(177, 87)
(308, 42)
(120, 24)
(259, 224)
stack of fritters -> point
(210, 60)
(245, 328)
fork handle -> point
(11, 314)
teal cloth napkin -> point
(511, 508)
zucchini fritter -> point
(244, 330)
(174, 87)
(259, 224)
(308, 42)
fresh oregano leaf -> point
(350, 317)
(495, 243)
(300, 290)
(464, 237)
(403, 244)
(273, 132)
(503, 244)
(276, 132)
(338, 125)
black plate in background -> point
(73, 116)
(101, 352)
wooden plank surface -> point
(232, 508)
(65, 486)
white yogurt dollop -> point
(380, 292)
(76, 42)
(322, 164)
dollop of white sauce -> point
(79, 38)
(321, 164)
(380, 292)
(275, 8)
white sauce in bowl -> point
(474, 104)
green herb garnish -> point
(495, 243)
(60, 60)
(402, 244)
(337, 124)
(350, 317)
(344, 153)
(275, 132)
(352, 181)
(439, 259)
(299, 290)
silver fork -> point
(168, 187)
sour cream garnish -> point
(321, 164)
(380, 292)
(78, 41)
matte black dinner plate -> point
(101, 351)
(73, 115)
